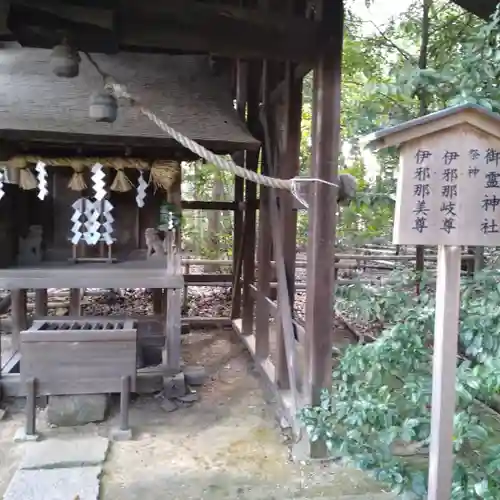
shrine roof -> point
(38, 106)
(482, 8)
(433, 123)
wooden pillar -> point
(75, 302)
(419, 266)
(157, 301)
(252, 160)
(264, 251)
(172, 313)
(322, 210)
(19, 316)
(479, 260)
(238, 230)
(41, 300)
(289, 167)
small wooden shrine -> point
(91, 204)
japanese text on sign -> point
(449, 191)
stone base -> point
(55, 484)
(21, 437)
(120, 434)
(174, 387)
(195, 375)
(81, 409)
(89, 451)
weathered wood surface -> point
(73, 361)
(129, 274)
(187, 26)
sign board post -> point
(448, 196)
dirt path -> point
(226, 446)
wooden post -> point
(185, 292)
(264, 250)
(41, 302)
(172, 313)
(444, 372)
(479, 260)
(239, 158)
(157, 301)
(124, 403)
(289, 167)
(74, 302)
(19, 316)
(252, 160)
(322, 210)
(30, 407)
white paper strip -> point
(2, 192)
(107, 223)
(141, 190)
(42, 180)
(92, 224)
(76, 219)
(98, 181)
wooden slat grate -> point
(82, 325)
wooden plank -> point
(208, 278)
(97, 336)
(173, 310)
(11, 385)
(252, 160)
(88, 277)
(173, 329)
(289, 167)
(239, 184)
(444, 367)
(219, 29)
(11, 362)
(274, 311)
(75, 301)
(322, 210)
(213, 205)
(264, 250)
(284, 398)
(37, 23)
(19, 313)
(77, 368)
(41, 302)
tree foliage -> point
(378, 414)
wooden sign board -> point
(448, 195)
(449, 189)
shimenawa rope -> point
(120, 91)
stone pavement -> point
(59, 469)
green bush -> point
(378, 412)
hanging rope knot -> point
(119, 91)
(295, 187)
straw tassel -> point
(27, 180)
(121, 182)
(77, 181)
(164, 174)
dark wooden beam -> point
(43, 24)
(188, 26)
(220, 29)
(241, 87)
(252, 163)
